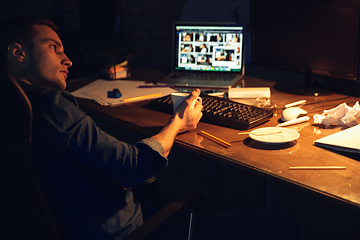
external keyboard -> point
(221, 111)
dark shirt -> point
(85, 173)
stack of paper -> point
(130, 91)
(254, 92)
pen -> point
(301, 102)
(318, 168)
(215, 139)
(141, 97)
(295, 121)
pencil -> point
(141, 97)
(318, 168)
(215, 139)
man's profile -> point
(86, 174)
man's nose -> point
(66, 61)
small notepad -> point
(347, 140)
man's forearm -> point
(167, 136)
(186, 117)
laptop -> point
(207, 55)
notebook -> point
(346, 140)
(207, 55)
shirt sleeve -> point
(82, 143)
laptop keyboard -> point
(201, 76)
(221, 111)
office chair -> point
(165, 213)
(24, 213)
(23, 209)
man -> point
(85, 174)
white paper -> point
(341, 115)
(98, 91)
(345, 140)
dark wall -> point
(144, 28)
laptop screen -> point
(217, 48)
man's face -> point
(46, 62)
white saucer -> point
(274, 135)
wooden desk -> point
(267, 160)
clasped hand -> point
(187, 113)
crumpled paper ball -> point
(341, 115)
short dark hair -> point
(20, 30)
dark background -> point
(145, 32)
(144, 29)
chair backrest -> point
(23, 211)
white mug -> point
(178, 98)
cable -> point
(328, 100)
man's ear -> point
(16, 52)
